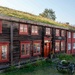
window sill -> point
(36, 54)
(56, 50)
(4, 60)
(26, 56)
(23, 33)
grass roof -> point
(28, 16)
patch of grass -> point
(65, 57)
(29, 68)
(38, 68)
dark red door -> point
(46, 49)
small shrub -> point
(65, 57)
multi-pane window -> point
(34, 30)
(73, 45)
(57, 32)
(0, 26)
(25, 49)
(23, 29)
(73, 35)
(4, 52)
(69, 46)
(48, 31)
(69, 34)
(57, 46)
(36, 48)
(62, 32)
(62, 45)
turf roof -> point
(28, 16)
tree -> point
(48, 13)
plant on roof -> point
(27, 16)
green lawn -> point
(43, 71)
(38, 68)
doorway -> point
(47, 47)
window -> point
(73, 35)
(62, 32)
(48, 31)
(36, 48)
(69, 46)
(57, 32)
(23, 29)
(57, 45)
(4, 52)
(0, 26)
(34, 30)
(62, 45)
(69, 34)
(25, 49)
(73, 45)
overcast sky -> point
(64, 9)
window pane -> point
(27, 49)
(21, 28)
(57, 46)
(4, 52)
(47, 31)
(69, 34)
(69, 46)
(57, 32)
(62, 46)
(25, 28)
(34, 29)
(73, 45)
(36, 47)
(62, 33)
(73, 35)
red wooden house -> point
(23, 41)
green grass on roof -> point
(28, 16)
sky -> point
(64, 9)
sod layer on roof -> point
(28, 16)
